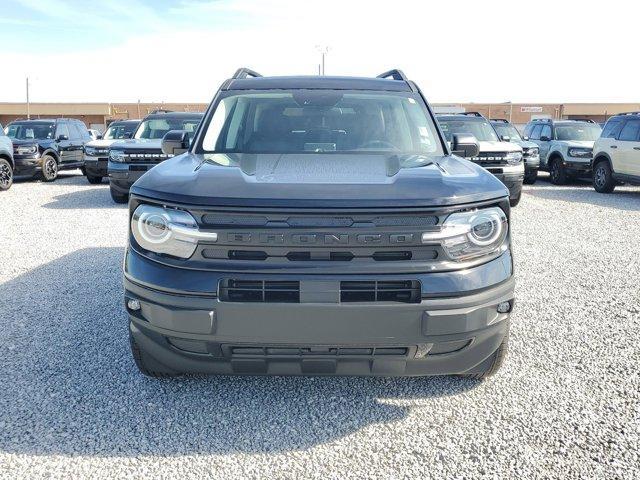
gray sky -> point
(483, 51)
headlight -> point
(117, 156)
(580, 152)
(167, 231)
(27, 149)
(532, 152)
(514, 158)
(90, 151)
(467, 235)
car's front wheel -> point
(94, 180)
(6, 174)
(49, 168)
(558, 172)
(492, 364)
(146, 364)
(603, 180)
(531, 177)
(118, 197)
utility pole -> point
(28, 104)
(323, 50)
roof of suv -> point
(318, 82)
(562, 120)
(174, 115)
(460, 116)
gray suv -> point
(530, 152)
(6, 161)
(566, 146)
(318, 226)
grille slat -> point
(402, 291)
(260, 291)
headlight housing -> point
(532, 152)
(117, 156)
(467, 235)
(27, 149)
(91, 151)
(580, 152)
(168, 231)
(514, 158)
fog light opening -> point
(504, 307)
(133, 304)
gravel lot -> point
(72, 404)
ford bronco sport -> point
(566, 146)
(530, 153)
(130, 159)
(318, 226)
(96, 152)
(616, 154)
(44, 147)
(503, 159)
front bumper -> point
(96, 166)
(27, 165)
(512, 177)
(452, 330)
(123, 175)
(578, 166)
(531, 163)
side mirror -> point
(465, 145)
(544, 138)
(61, 138)
(505, 138)
(175, 142)
(525, 138)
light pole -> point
(28, 104)
(323, 50)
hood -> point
(135, 144)
(100, 143)
(499, 147)
(577, 143)
(318, 180)
(526, 144)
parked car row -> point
(43, 147)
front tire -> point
(94, 180)
(118, 197)
(603, 181)
(530, 177)
(6, 174)
(558, 172)
(49, 168)
(146, 364)
(492, 364)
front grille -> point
(490, 158)
(260, 291)
(420, 253)
(145, 157)
(307, 350)
(320, 221)
(402, 291)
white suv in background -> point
(616, 154)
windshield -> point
(321, 121)
(506, 130)
(580, 131)
(32, 130)
(156, 128)
(116, 132)
(481, 129)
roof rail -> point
(543, 120)
(587, 120)
(244, 73)
(160, 110)
(394, 74)
(500, 120)
(626, 113)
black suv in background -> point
(96, 152)
(46, 146)
(130, 159)
(6, 161)
(319, 226)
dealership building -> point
(99, 115)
